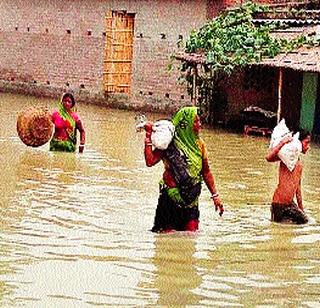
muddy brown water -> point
(74, 229)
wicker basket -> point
(34, 126)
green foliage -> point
(232, 39)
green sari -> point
(186, 141)
(69, 145)
(178, 206)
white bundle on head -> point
(289, 153)
(162, 134)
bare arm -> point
(82, 136)
(299, 196)
(151, 156)
(209, 180)
(208, 177)
(272, 155)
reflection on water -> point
(175, 270)
(75, 228)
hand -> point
(286, 140)
(148, 127)
(81, 148)
(218, 205)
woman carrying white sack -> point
(163, 132)
(186, 164)
(287, 149)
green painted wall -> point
(308, 101)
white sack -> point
(289, 153)
(278, 133)
(162, 134)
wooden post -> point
(279, 95)
(194, 86)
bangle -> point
(81, 145)
(215, 195)
(148, 143)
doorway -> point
(119, 52)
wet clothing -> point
(171, 216)
(65, 136)
(283, 209)
(182, 187)
(181, 184)
(288, 213)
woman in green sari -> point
(66, 123)
(186, 165)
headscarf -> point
(186, 140)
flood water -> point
(74, 229)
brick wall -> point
(51, 59)
(216, 6)
(157, 32)
(61, 44)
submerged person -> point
(186, 164)
(283, 208)
(66, 123)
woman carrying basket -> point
(66, 123)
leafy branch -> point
(233, 40)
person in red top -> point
(185, 166)
(66, 123)
(283, 208)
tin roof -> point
(302, 59)
(288, 22)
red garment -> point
(61, 125)
(192, 225)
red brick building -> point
(117, 58)
(51, 46)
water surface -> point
(75, 228)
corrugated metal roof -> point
(289, 22)
(302, 59)
(294, 32)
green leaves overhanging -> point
(232, 39)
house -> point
(287, 84)
(110, 52)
